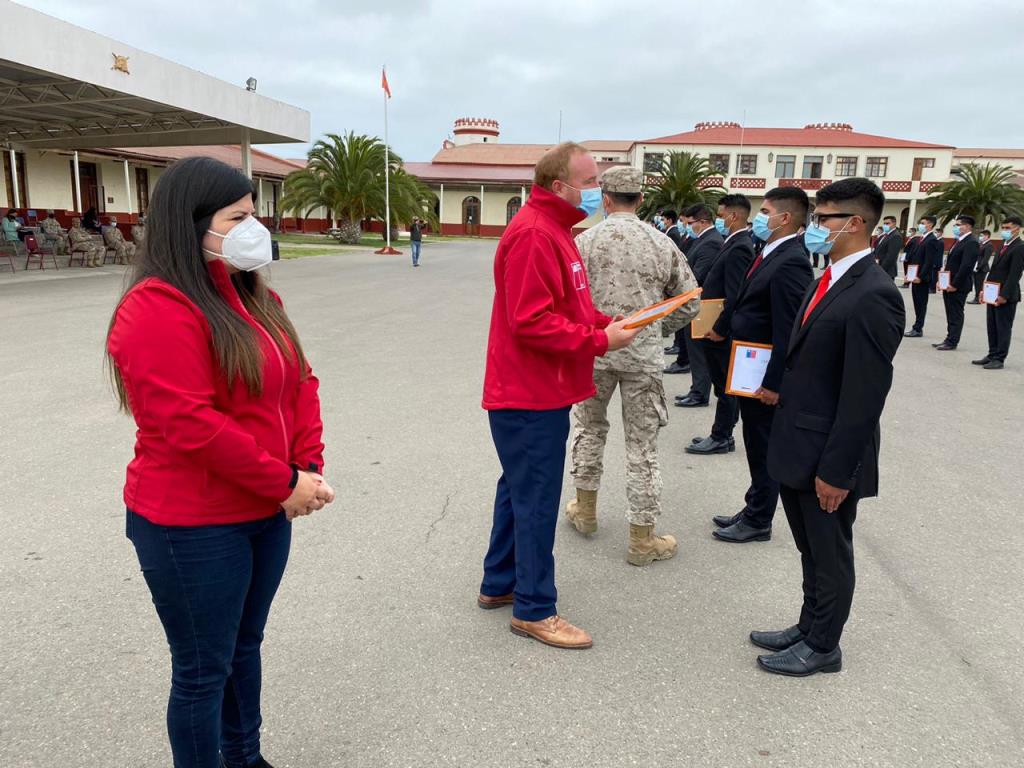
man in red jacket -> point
(545, 334)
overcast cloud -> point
(930, 70)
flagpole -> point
(387, 170)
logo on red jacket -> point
(579, 276)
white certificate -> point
(912, 272)
(944, 280)
(747, 366)
(991, 292)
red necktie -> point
(823, 284)
(756, 264)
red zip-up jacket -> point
(206, 451)
(545, 332)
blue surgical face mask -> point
(761, 229)
(886, 229)
(1005, 234)
(590, 199)
(956, 230)
(921, 229)
(689, 231)
(720, 226)
(816, 238)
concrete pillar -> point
(246, 154)
(14, 179)
(912, 216)
(78, 186)
(127, 188)
(440, 211)
(259, 198)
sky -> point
(934, 71)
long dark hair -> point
(184, 200)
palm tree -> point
(682, 182)
(986, 192)
(345, 175)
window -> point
(785, 166)
(653, 161)
(746, 164)
(812, 167)
(876, 167)
(846, 166)
(718, 163)
(142, 189)
(927, 162)
(512, 208)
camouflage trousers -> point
(644, 413)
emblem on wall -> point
(120, 63)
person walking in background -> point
(416, 239)
(544, 336)
(228, 449)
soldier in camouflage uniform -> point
(85, 244)
(124, 252)
(630, 265)
(53, 235)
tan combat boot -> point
(645, 547)
(582, 511)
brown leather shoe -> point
(489, 603)
(554, 631)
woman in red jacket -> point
(228, 449)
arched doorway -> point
(512, 208)
(904, 219)
(471, 216)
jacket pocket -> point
(813, 422)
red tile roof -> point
(824, 135)
(445, 173)
(263, 163)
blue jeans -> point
(520, 558)
(415, 246)
(212, 587)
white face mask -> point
(246, 246)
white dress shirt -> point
(775, 244)
(841, 267)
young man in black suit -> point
(960, 263)
(723, 281)
(825, 438)
(677, 235)
(928, 256)
(887, 249)
(765, 310)
(703, 245)
(1006, 270)
(984, 262)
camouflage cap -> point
(622, 178)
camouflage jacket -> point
(631, 265)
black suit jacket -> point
(768, 302)
(1006, 270)
(675, 235)
(702, 252)
(887, 251)
(837, 376)
(725, 277)
(927, 254)
(985, 258)
(960, 263)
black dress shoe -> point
(912, 334)
(677, 368)
(801, 660)
(261, 764)
(671, 350)
(945, 347)
(690, 402)
(742, 532)
(974, 301)
(732, 442)
(993, 365)
(777, 641)
(709, 445)
(938, 343)
(724, 521)
(984, 361)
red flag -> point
(384, 82)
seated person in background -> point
(139, 232)
(123, 250)
(91, 221)
(84, 243)
(11, 226)
(53, 234)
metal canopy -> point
(62, 86)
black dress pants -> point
(1000, 327)
(763, 494)
(919, 292)
(726, 410)
(683, 358)
(954, 303)
(979, 282)
(825, 542)
(700, 387)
